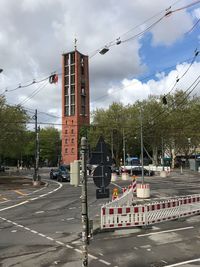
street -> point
(41, 227)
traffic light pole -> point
(84, 206)
(142, 145)
(36, 177)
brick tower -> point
(75, 102)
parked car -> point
(138, 171)
(54, 173)
(61, 174)
(2, 168)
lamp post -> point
(141, 145)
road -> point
(41, 227)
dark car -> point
(63, 176)
(2, 168)
(54, 173)
(138, 171)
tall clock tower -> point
(75, 102)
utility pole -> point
(112, 152)
(162, 154)
(84, 204)
(141, 138)
(124, 148)
(36, 177)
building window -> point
(72, 58)
(67, 80)
(72, 140)
(82, 66)
(72, 79)
(72, 110)
(66, 89)
(66, 111)
(66, 70)
(72, 89)
(72, 131)
(66, 131)
(66, 141)
(83, 91)
(83, 110)
(72, 150)
(67, 100)
(66, 150)
(66, 60)
(72, 69)
(72, 99)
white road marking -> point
(183, 263)
(60, 243)
(68, 246)
(57, 241)
(92, 256)
(69, 219)
(101, 254)
(72, 208)
(164, 261)
(167, 231)
(78, 250)
(50, 238)
(33, 231)
(105, 262)
(41, 234)
(39, 211)
(16, 205)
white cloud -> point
(34, 34)
(132, 90)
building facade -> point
(75, 102)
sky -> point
(155, 49)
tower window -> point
(72, 110)
(72, 150)
(66, 141)
(66, 111)
(72, 58)
(66, 80)
(73, 99)
(66, 150)
(72, 69)
(72, 140)
(72, 79)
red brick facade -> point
(75, 102)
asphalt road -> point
(42, 226)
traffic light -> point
(53, 78)
(164, 100)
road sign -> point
(102, 176)
(101, 155)
(102, 193)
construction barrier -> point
(147, 214)
(143, 190)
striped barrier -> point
(147, 214)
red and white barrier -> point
(151, 213)
(143, 190)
